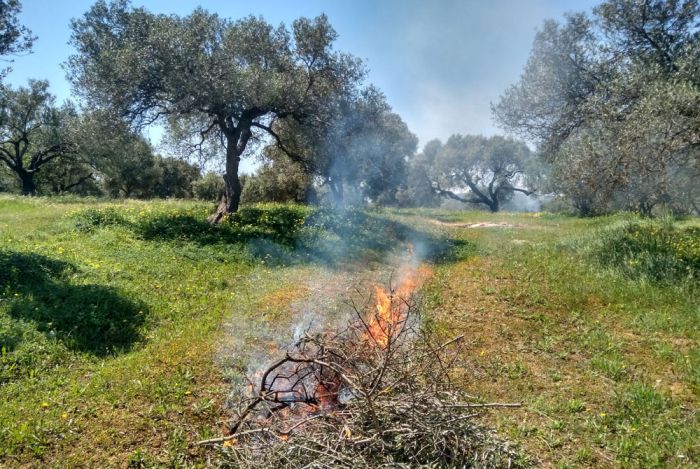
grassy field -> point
(604, 357)
(113, 315)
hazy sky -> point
(440, 62)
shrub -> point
(655, 250)
(91, 218)
(209, 187)
(279, 223)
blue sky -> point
(440, 63)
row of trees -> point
(471, 169)
(233, 88)
(612, 101)
(608, 99)
(55, 150)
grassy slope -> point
(69, 406)
(607, 367)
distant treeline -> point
(608, 103)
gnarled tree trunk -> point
(493, 205)
(231, 197)
(28, 184)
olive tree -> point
(611, 100)
(478, 170)
(33, 131)
(213, 81)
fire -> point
(312, 381)
(307, 384)
(392, 306)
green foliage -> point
(123, 161)
(71, 175)
(93, 153)
(209, 187)
(273, 232)
(661, 252)
(640, 402)
(8, 182)
(175, 178)
(132, 172)
(68, 364)
(67, 361)
(279, 223)
(282, 180)
(35, 131)
(603, 333)
(616, 359)
(486, 170)
(648, 435)
(14, 37)
(91, 218)
(611, 99)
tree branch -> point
(524, 191)
(7, 158)
(42, 157)
(76, 183)
(451, 195)
(307, 165)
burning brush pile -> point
(376, 393)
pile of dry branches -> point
(377, 393)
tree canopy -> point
(476, 169)
(215, 82)
(612, 100)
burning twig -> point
(376, 393)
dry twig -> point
(357, 399)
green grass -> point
(604, 316)
(112, 316)
(659, 251)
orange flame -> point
(392, 307)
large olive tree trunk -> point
(28, 184)
(231, 197)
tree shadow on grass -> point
(288, 234)
(87, 318)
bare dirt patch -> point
(482, 224)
